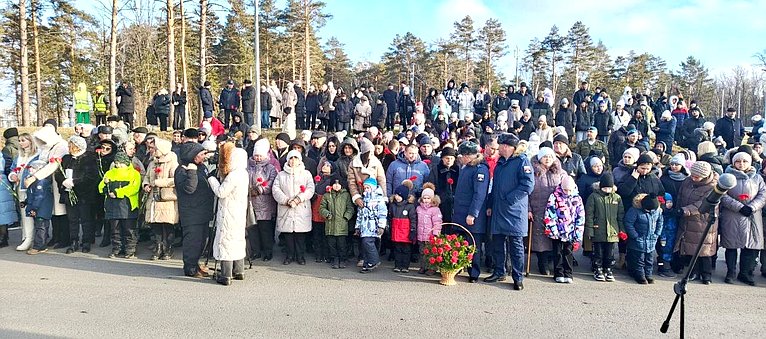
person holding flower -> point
(19, 172)
(121, 185)
(292, 190)
(741, 223)
(79, 193)
(262, 173)
(564, 220)
(691, 223)
(161, 202)
(604, 226)
(39, 205)
(444, 175)
(429, 222)
(51, 146)
(403, 225)
(336, 209)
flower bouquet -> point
(449, 253)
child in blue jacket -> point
(643, 223)
(39, 205)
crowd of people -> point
(373, 176)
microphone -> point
(725, 182)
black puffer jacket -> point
(300, 104)
(126, 104)
(248, 99)
(85, 175)
(440, 176)
(566, 118)
(195, 198)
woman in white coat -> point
(293, 189)
(231, 218)
(19, 172)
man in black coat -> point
(206, 98)
(729, 128)
(125, 103)
(501, 103)
(248, 101)
(312, 108)
(300, 105)
(195, 205)
(580, 95)
(229, 102)
(390, 97)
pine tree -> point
(536, 64)
(580, 57)
(693, 79)
(466, 43)
(235, 52)
(492, 41)
(338, 66)
(553, 45)
(405, 59)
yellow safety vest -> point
(99, 106)
(81, 102)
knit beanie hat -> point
(294, 154)
(262, 147)
(10, 132)
(427, 192)
(79, 142)
(545, 151)
(701, 169)
(633, 152)
(678, 159)
(645, 159)
(209, 145)
(448, 152)
(561, 138)
(742, 156)
(365, 146)
(595, 161)
(284, 137)
(607, 180)
(402, 191)
(122, 158)
(705, 147)
(371, 182)
(650, 202)
(568, 183)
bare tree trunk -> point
(202, 39)
(170, 23)
(307, 52)
(38, 73)
(257, 49)
(183, 61)
(268, 61)
(292, 54)
(113, 61)
(25, 118)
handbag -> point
(251, 220)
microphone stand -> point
(679, 288)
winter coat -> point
(337, 209)
(621, 172)
(564, 216)
(513, 182)
(584, 149)
(206, 99)
(630, 187)
(344, 111)
(10, 151)
(300, 102)
(585, 182)
(603, 122)
(276, 103)
(125, 183)
(85, 176)
(390, 98)
(290, 183)
(691, 227)
(542, 108)
(583, 119)
(162, 202)
(373, 215)
(440, 176)
(401, 170)
(125, 104)
(231, 217)
(604, 215)
(358, 173)
(404, 221)
(642, 126)
(666, 130)
(379, 115)
(429, 221)
(737, 230)
(579, 96)
(179, 101)
(262, 175)
(265, 104)
(465, 101)
(406, 106)
(195, 198)
(715, 161)
(615, 145)
(240, 126)
(19, 169)
(248, 99)
(161, 105)
(572, 164)
(51, 145)
(312, 102)
(39, 199)
(643, 227)
(731, 130)
(362, 113)
(617, 151)
(546, 181)
(566, 118)
(471, 191)
(8, 203)
(671, 182)
(686, 132)
(229, 99)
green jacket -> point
(337, 210)
(584, 148)
(127, 184)
(604, 215)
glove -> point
(575, 247)
(623, 236)
(68, 183)
(746, 211)
(413, 236)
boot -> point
(167, 253)
(3, 236)
(27, 236)
(73, 247)
(157, 252)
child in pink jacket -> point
(429, 221)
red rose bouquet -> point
(449, 253)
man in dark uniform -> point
(513, 181)
(470, 205)
(195, 205)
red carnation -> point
(22, 166)
(454, 253)
(547, 232)
(52, 160)
(661, 200)
(744, 197)
(440, 250)
(317, 178)
(259, 179)
(157, 170)
(454, 260)
(359, 183)
(450, 181)
(432, 261)
(427, 161)
(28, 167)
(265, 183)
(328, 188)
(623, 236)
(303, 188)
(465, 243)
(447, 247)
(434, 249)
(470, 256)
(425, 251)
(439, 259)
(413, 178)
(17, 169)
(137, 168)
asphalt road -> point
(91, 296)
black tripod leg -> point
(666, 324)
(681, 330)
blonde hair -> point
(32, 145)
